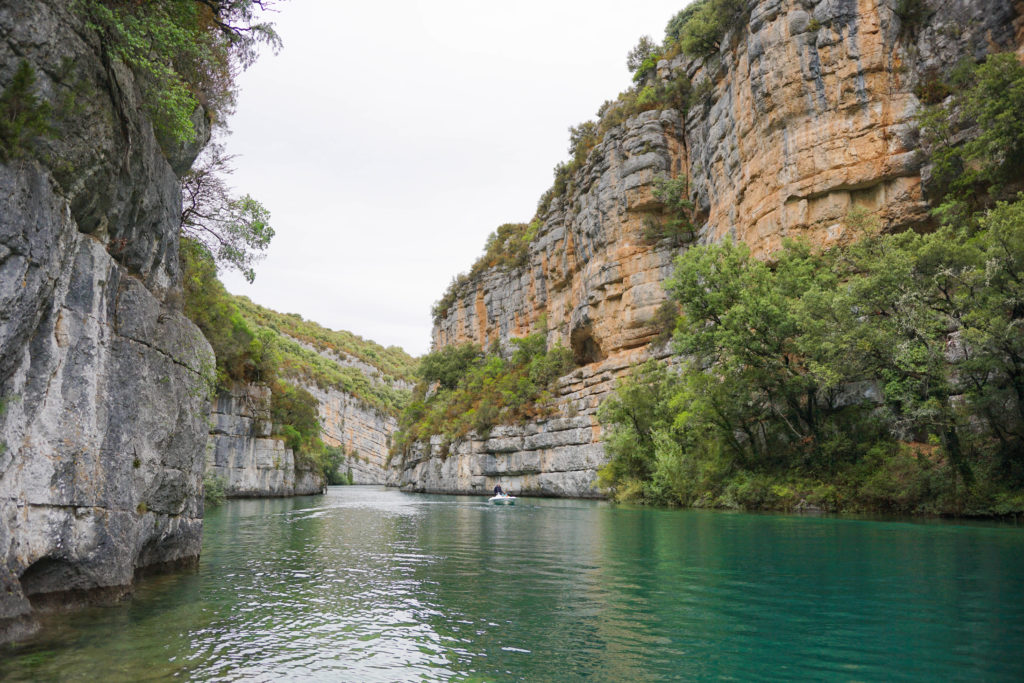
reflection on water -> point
(370, 584)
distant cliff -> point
(242, 452)
(312, 406)
(103, 382)
(803, 111)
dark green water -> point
(370, 584)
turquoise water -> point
(368, 584)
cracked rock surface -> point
(103, 424)
(808, 110)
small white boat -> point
(502, 499)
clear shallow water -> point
(369, 584)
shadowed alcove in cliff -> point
(585, 349)
(48, 575)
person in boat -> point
(498, 491)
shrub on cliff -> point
(476, 391)
(23, 115)
(184, 52)
(642, 59)
(699, 29)
(969, 174)
(243, 353)
(676, 220)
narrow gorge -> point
(135, 389)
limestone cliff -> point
(357, 387)
(101, 377)
(241, 450)
(806, 110)
(363, 431)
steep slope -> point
(357, 387)
(804, 111)
(102, 379)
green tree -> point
(23, 115)
(968, 175)
(235, 230)
(700, 32)
(184, 53)
(449, 364)
(676, 222)
(643, 58)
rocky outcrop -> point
(807, 110)
(591, 271)
(812, 111)
(102, 380)
(241, 451)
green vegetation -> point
(394, 363)
(971, 175)
(886, 374)
(235, 230)
(699, 28)
(829, 373)
(23, 116)
(214, 490)
(912, 14)
(257, 345)
(676, 221)
(643, 58)
(506, 248)
(183, 52)
(462, 389)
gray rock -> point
(102, 378)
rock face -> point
(102, 380)
(241, 451)
(808, 110)
(558, 456)
(364, 433)
(812, 112)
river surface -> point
(366, 584)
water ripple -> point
(373, 585)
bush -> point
(968, 175)
(449, 364)
(213, 490)
(700, 33)
(23, 116)
(477, 391)
(676, 221)
(912, 14)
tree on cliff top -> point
(185, 53)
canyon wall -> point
(806, 110)
(363, 431)
(102, 380)
(242, 453)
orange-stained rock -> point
(810, 111)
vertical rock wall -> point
(241, 451)
(808, 110)
(364, 433)
(102, 380)
(812, 111)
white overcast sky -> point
(388, 139)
